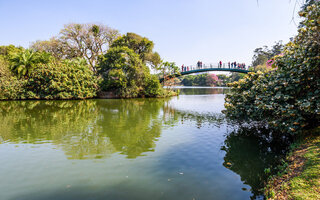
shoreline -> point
(299, 176)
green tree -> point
(263, 54)
(223, 79)
(125, 74)
(6, 51)
(141, 46)
(188, 80)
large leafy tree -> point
(126, 75)
(141, 46)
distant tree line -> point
(210, 79)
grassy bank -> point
(300, 174)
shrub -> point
(288, 98)
(153, 87)
(69, 79)
(10, 86)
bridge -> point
(193, 71)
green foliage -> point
(288, 99)
(187, 80)
(70, 79)
(141, 46)
(263, 54)
(27, 122)
(126, 75)
(236, 77)
(262, 68)
(4, 67)
(23, 62)
(198, 80)
(12, 88)
(153, 87)
(154, 59)
(47, 72)
(306, 185)
(256, 148)
(5, 51)
(299, 175)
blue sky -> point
(184, 31)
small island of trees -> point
(83, 61)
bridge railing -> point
(208, 66)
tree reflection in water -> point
(250, 150)
(94, 129)
(84, 129)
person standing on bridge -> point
(220, 64)
(187, 68)
(229, 65)
(182, 68)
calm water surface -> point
(139, 149)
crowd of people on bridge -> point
(237, 65)
(200, 65)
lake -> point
(176, 148)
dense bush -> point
(10, 86)
(70, 79)
(288, 98)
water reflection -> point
(84, 129)
(250, 150)
(202, 90)
(181, 136)
(94, 129)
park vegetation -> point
(199, 80)
(220, 80)
(286, 99)
(83, 61)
